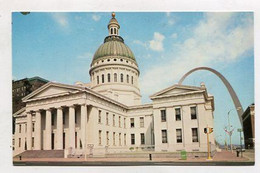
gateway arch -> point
(231, 91)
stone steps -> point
(42, 154)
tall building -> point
(106, 115)
(23, 87)
(248, 118)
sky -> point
(60, 46)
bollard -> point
(237, 153)
(150, 156)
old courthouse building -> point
(106, 115)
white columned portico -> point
(59, 129)
(72, 126)
(38, 128)
(48, 130)
(83, 115)
(29, 131)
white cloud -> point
(60, 18)
(96, 17)
(138, 42)
(86, 55)
(174, 35)
(215, 40)
(157, 43)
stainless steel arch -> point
(231, 91)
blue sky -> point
(59, 47)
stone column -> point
(83, 116)
(72, 126)
(38, 129)
(29, 131)
(48, 130)
(59, 129)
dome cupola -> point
(114, 71)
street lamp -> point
(229, 128)
(230, 133)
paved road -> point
(223, 158)
(210, 163)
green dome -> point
(113, 46)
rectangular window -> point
(179, 135)
(32, 141)
(114, 138)
(195, 137)
(193, 112)
(178, 114)
(163, 115)
(63, 117)
(107, 138)
(132, 139)
(132, 122)
(142, 139)
(141, 121)
(124, 139)
(103, 78)
(107, 118)
(52, 119)
(164, 136)
(19, 144)
(119, 121)
(97, 79)
(20, 128)
(124, 122)
(76, 118)
(99, 116)
(99, 137)
(114, 121)
(119, 139)
(33, 125)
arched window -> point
(132, 79)
(114, 30)
(97, 79)
(108, 77)
(127, 78)
(115, 77)
(111, 30)
(103, 78)
(122, 77)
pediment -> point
(51, 89)
(176, 89)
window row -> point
(113, 120)
(142, 139)
(25, 128)
(195, 137)
(132, 122)
(193, 114)
(115, 59)
(121, 137)
(115, 77)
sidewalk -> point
(224, 156)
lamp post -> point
(230, 133)
(229, 128)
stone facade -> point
(106, 115)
